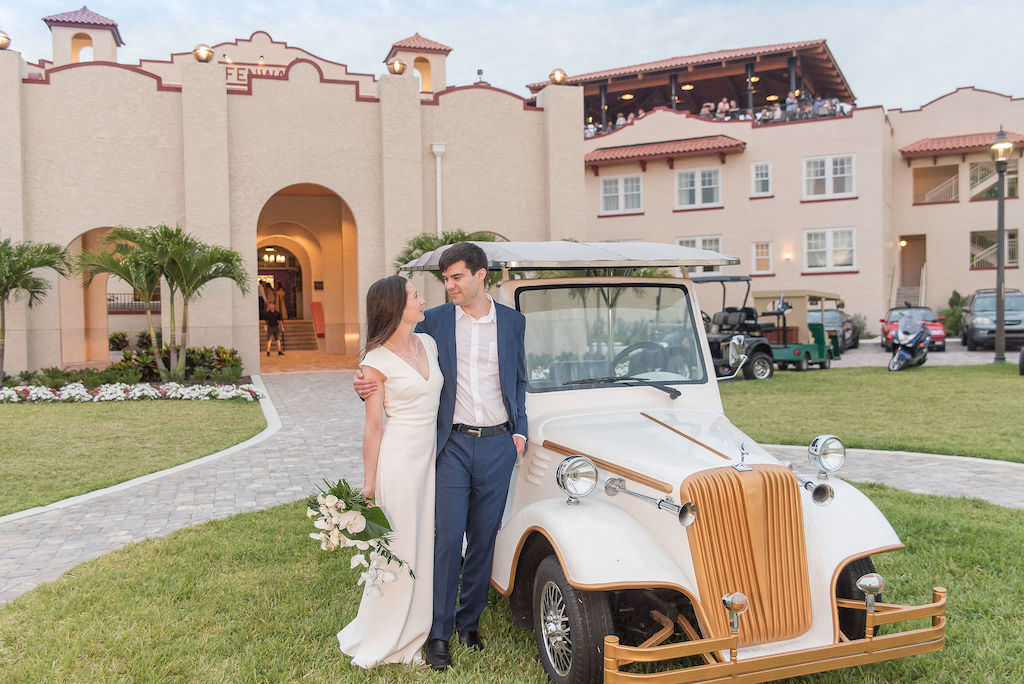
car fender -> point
(598, 545)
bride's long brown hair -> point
(385, 302)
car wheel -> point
(1020, 362)
(801, 365)
(758, 367)
(971, 344)
(570, 626)
(856, 342)
(827, 363)
(941, 348)
(852, 621)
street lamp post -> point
(1001, 148)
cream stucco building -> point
(273, 152)
(318, 176)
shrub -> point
(143, 341)
(862, 325)
(118, 340)
(954, 313)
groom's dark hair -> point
(474, 257)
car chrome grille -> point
(749, 537)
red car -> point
(920, 313)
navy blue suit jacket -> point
(439, 323)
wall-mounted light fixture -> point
(558, 77)
(5, 40)
(396, 66)
(202, 53)
(787, 256)
(903, 243)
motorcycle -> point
(910, 345)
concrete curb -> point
(273, 426)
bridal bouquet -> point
(346, 519)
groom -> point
(481, 432)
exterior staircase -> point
(296, 334)
(910, 294)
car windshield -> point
(915, 313)
(832, 317)
(586, 332)
(1014, 302)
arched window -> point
(81, 48)
(422, 66)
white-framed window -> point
(712, 243)
(984, 253)
(622, 195)
(697, 188)
(830, 249)
(831, 177)
(761, 257)
(761, 179)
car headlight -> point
(577, 477)
(827, 453)
(982, 320)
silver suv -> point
(979, 324)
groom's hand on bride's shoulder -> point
(362, 386)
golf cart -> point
(732, 321)
(645, 537)
(795, 342)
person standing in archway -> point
(273, 319)
(481, 432)
(282, 305)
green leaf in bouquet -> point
(377, 525)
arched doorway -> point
(88, 315)
(313, 232)
(280, 269)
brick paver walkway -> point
(320, 436)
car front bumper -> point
(869, 649)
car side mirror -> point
(881, 320)
(942, 318)
(737, 351)
(966, 310)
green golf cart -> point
(795, 342)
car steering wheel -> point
(662, 358)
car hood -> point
(664, 444)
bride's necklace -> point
(406, 357)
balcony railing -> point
(127, 303)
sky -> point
(900, 53)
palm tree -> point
(142, 256)
(132, 264)
(192, 269)
(420, 244)
(17, 262)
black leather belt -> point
(481, 431)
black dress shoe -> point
(471, 640)
(437, 654)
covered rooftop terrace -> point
(753, 76)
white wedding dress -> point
(392, 628)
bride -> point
(398, 462)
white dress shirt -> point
(478, 390)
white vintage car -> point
(645, 536)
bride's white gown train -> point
(392, 628)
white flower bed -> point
(118, 391)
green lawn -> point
(49, 452)
(960, 410)
(251, 598)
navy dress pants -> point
(472, 483)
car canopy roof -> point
(563, 254)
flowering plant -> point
(118, 391)
(345, 519)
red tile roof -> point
(668, 149)
(687, 61)
(418, 43)
(84, 17)
(955, 144)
